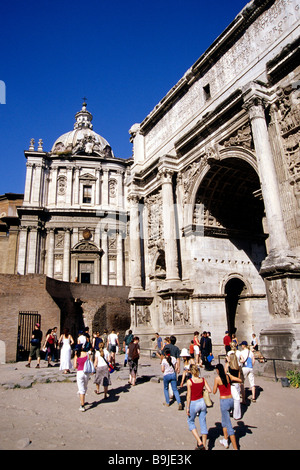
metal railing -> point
(266, 359)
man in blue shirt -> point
(158, 344)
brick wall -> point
(60, 304)
(24, 293)
(95, 306)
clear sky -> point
(124, 56)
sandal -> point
(97, 393)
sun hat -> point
(184, 353)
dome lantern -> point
(82, 140)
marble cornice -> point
(205, 126)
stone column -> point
(105, 187)
(280, 255)
(104, 259)
(66, 259)
(135, 243)
(97, 191)
(120, 203)
(69, 185)
(32, 250)
(169, 226)
(28, 182)
(52, 186)
(22, 255)
(50, 257)
(120, 269)
(281, 268)
(36, 183)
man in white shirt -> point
(112, 344)
(247, 361)
(81, 339)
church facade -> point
(73, 218)
(203, 221)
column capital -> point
(165, 175)
(256, 97)
(133, 198)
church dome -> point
(82, 140)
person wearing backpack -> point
(247, 361)
(133, 359)
(169, 367)
(127, 340)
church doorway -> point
(86, 272)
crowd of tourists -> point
(96, 356)
(229, 380)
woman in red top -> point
(196, 404)
(49, 345)
(196, 347)
(223, 383)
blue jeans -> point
(226, 405)
(167, 379)
(198, 406)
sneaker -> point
(201, 447)
(224, 443)
(37, 366)
(180, 407)
(81, 408)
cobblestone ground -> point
(39, 410)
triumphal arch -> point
(214, 190)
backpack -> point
(248, 362)
(128, 339)
(133, 352)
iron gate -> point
(26, 323)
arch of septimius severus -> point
(202, 223)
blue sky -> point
(124, 56)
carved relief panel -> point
(154, 222)
(286, 112)
(176, 311)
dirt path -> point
(46, 415)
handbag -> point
(210, 358)
(206, 398)
(88, 367)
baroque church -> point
(73, 217)
(202, 223)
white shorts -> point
(82, 382)
(196, 349)
(248, 372)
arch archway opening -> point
(234, 288)
(228, 205)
